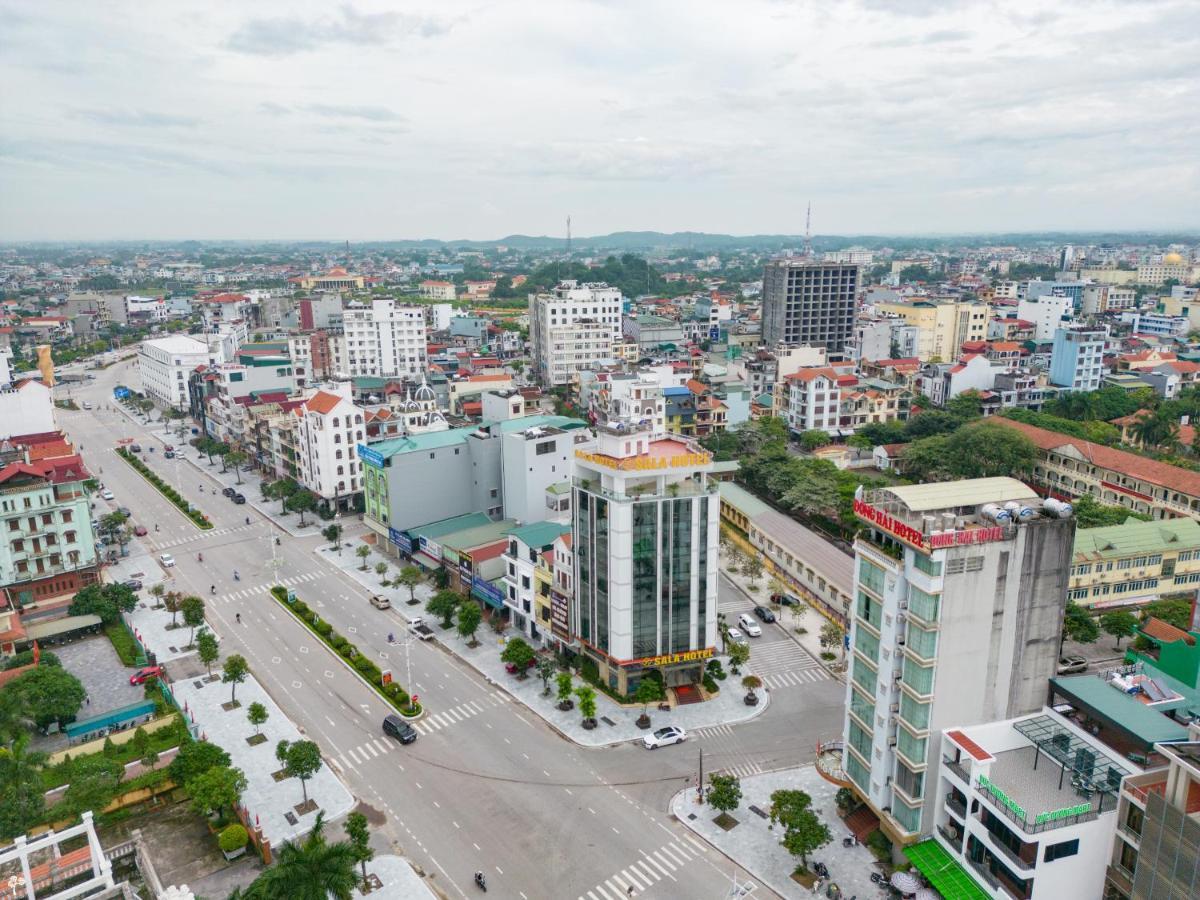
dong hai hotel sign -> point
(913, 536)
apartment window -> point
(1058, 851)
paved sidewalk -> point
(270, 800)
(152, 628)
(398, 880)
(727, 708)
(251, 486)
(754, 846)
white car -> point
(665, 737)
(752, 628)
(106, 494)
(166, 559)
(733, 636)
(87, 405)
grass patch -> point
(157, 741)
(123, 643)
(199, 519)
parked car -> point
(1071, 665)
(399, 729)
(784, 599)
(166, 559)
(141, 676)
(423, 632)
(380, 602)
(87, 404)
(132, 583)
(169, 454)
(735, 637)
(752, 628)
(140, 530)
(227, 492)
(125, 511)
(239, 499)
(765, 614)
(135, 448)
(169, 447)
(106, 494)
(665, 737)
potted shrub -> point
(750, 683)
(648, 691)
(233, 841)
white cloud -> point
(294, 118)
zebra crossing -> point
(247, 593)
(433, 722)
(743, 771)
(191, 537)
(644, 873)
(785, 663)
(720, 732)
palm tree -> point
(312, 869)
(1156, 430)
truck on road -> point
(420, 630)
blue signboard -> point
(401, 540)
(714, 332)
(370, 457)
(487, 592)
(120, 392)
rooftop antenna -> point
(568, 235)
(808, 230)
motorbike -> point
(481, 881)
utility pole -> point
(700, 780)
(808, 230)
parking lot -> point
(95, 663)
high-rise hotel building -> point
(645, 538)
(959, 594)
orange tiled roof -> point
(969, 745)
(1165, 632)
(322, 402)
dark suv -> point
(765, 614)
(399, 729)
(239, 499)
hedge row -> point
(197, 517)
(393, 692)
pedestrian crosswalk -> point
(216, 532)
(247, 593)
(743, 771)
(641, 875)
(713, 730)
(783, 664)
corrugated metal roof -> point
(948, 494)
(480, 534)
(539, 534)
(1137, 537)
(434, 530)
(742, 499)
(437, 439)
(1121, 709)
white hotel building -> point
(382, 340)
(166, 363)
(646, 529)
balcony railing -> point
(1034, 827)
(956, 806)
(955, 842)
(958, 769)
(1007, 853)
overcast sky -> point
(378, 120)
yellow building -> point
(1135, 563)
(942, 325)
(337, 279)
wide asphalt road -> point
(498, 790)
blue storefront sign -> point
(120, 392)
(401, 540)
(370, 457)
(487, 592)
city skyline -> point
(363, 122)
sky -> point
(392, 120)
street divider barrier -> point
(199, 519)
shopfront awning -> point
(40, 631)
(944, 872)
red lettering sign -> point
(969, 536)
(891, 525)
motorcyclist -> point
(479, 880)
(247, 520)
(238, 617)
(236, 576)
(199, 557)
(213, 589)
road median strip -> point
(199, 519)
(351, 657)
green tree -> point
(257, 714)
(46, 695)
(234, 672)
(980, 450)
(469, 617)
(967, 405)
(1156, 430)
(724, 794)
(22, 794)
(107, 601)
(362, 552)
(359, 834)
(814, 439)
(312, 869)
(649, 690)
(1177, 612)
(195, 758)
(587, 702)
(563, 686)
(301, 501)
(158, 591)
(235, 458)
(831, 636)
(1078, 625)
(814, 491)
(753, 569)
(751, 683)
(207, 648)
(519, 654)
(172, 601)
(445, 604)
(215, 789)
(1089, 513)
(192, 608)
(303, 762)
(381, 570)
(803, 830)
(95, 780)
(410, 576)
(1119, 623)
(333, 534)
(739, 655)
